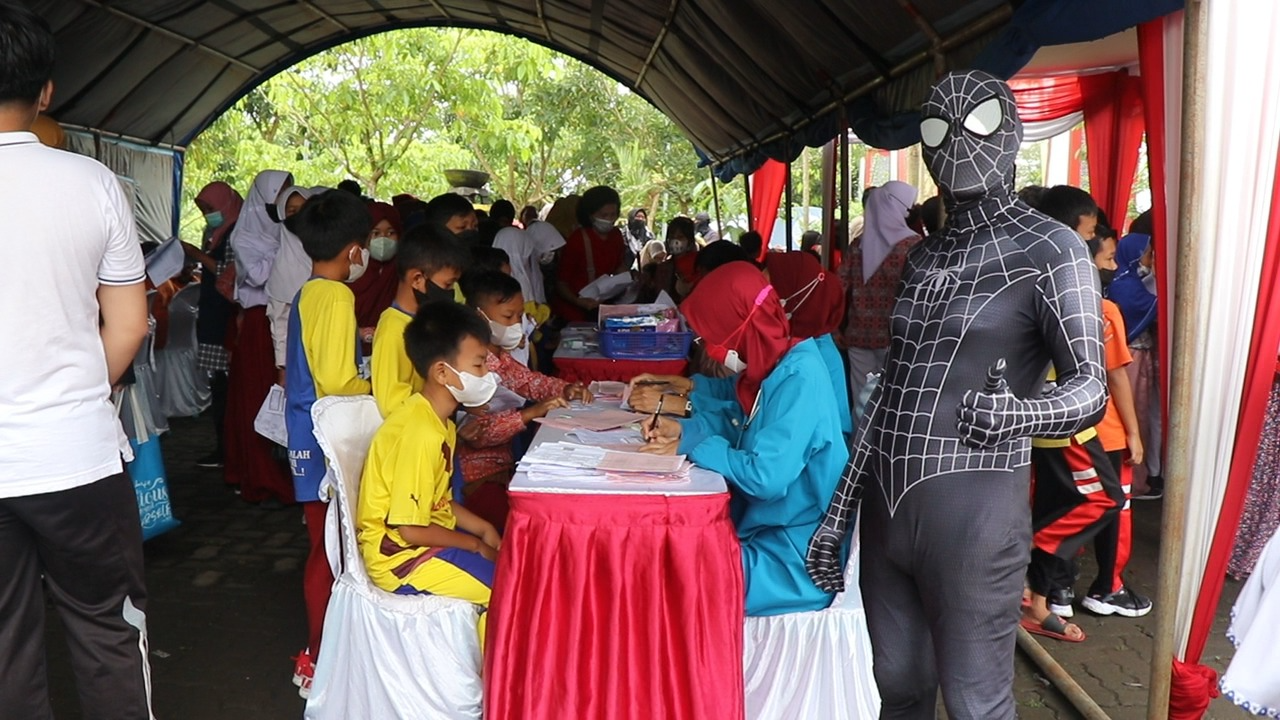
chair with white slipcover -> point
(383, 655)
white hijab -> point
(520, 248)
(546, 238)
(253, 223)
(292, 266)
(885, 223)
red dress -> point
(607, 252)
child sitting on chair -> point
(485, 455)
(413, 537)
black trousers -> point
(87, 544)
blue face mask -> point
(214, 219)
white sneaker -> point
(1123, 602)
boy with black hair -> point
(486, 456)
(490, 259)
(322, 360)
(414, 538)
(1077, 494)
(456, 214)
(429, 261)
(1072, 207)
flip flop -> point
(1051, 627)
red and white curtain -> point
(1229, 360)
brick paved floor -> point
(226, 612)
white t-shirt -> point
(65, 228)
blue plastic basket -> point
(642, 345)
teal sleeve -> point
(779, 448)
(709, 424)
(714, 388)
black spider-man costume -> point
(944, 448)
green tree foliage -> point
(393, 111)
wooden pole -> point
(804, 191)
(843, 225)
(1186, 306)
(715, 197)
(789, 201)
(1061, 679)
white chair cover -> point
(183, 388)
(1252, 681)
(384, 655)
(813, 664)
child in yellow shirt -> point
(413, 537)
(322, 359)
(429, 261)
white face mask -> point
(507, 337)
(546, 258)
(382, 248)
(476, 391)
(733, 362)
(602, 226)
(358, 270)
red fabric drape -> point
(1194, 686)
(1113, 131)
(766, 194)
(1152, 82)
(1258, 378)
(607, 606)
(1043, 99)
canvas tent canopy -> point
(745, 79)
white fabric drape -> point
(1037, 131)
(1241, 133)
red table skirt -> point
(609, 607)
(585, 370)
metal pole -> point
(789, 202)
(1186, 310)
(746, 185)
(715, 197)
(1056, 674)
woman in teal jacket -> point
(777, 441)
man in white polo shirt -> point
(72, 315)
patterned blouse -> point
(870, 304)
(489, 455)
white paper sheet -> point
(165, 261)
(269, 422)
(607, 287)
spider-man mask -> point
(970, 134)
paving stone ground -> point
(225, 613)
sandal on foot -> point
(1051, 627)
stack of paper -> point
(590, 418)
(550, 462)
(608, 390)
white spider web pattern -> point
(999, 262)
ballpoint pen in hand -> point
(653, 424)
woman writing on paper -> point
(778, 444)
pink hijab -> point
(885, 224)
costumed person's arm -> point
(1068, 305)
(528, 384)
(495, 428)
(778, 452)
(823, 558)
